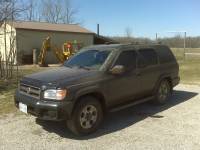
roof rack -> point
(135, 43)
(159, 42)
(138, 43)
(111, 42)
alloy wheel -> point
(163, 91)
(88, 116)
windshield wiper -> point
(77, 66)
(84, 67)
(68, 66)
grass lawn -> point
(7, 89)
(190, 71)
(190, 67)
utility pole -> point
(184, 43)
(98, 29)
(156, 36)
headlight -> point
(55, 94)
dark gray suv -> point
(97, 80)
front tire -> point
(87, 116)
(163, 92)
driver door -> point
(124, 87)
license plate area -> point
(23, 107)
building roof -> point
(49, 27)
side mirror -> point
(117, 70)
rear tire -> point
(163, 92)
(86, 117)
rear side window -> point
(150, 56)
(127, 59)
(165, 55)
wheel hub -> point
(163, 91)
(88, 116)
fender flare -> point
(87, 91)
(162, 76)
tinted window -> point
(141, 62)
(165, 55)
(127, 59)
(149, 56)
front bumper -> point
(43, 109)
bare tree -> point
(69, 15)
(128, 32)
(30, 13)
(6, 10)
(9, 11)
(51, 10)
(59, 11)
(34, 12)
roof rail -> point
(159, 42)
(111, 42)
(143, 43)
(135, 43)
(138, 43)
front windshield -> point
(92, 59)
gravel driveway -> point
(172, 126)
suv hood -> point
(54, 76)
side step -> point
(131, 104)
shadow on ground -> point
(121, 119)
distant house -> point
(30, 35)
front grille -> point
(29, 90)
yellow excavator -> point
(46, 45)
(61, 55)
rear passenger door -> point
(148, 70)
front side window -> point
(93, 59)
(127, 59)
(149, 56)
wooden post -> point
(34, 56)
(184, 44)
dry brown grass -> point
(7, 88)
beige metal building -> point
(27, 36)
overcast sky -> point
(144, 17)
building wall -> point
(7, 40)
(27, 40)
